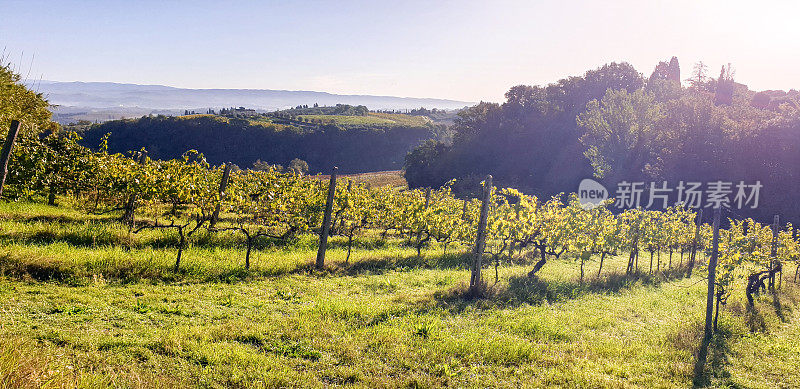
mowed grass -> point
(372, 118)
(84, 303)
(390, 178)
(253, 121)
(195, 116)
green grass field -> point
(84, 303)
(372, 119)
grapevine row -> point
(183, 194)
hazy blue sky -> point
(468, 50)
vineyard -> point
(123, 270)
(188, 195)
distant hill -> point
(353, 146)
(106, 100)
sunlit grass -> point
(391, 178)
(85, 303)
(371, 119)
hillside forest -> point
(346, 136)
(614, 124)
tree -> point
(529, 142)
(699, 75)
(260, 165)
(675, 69)
(723, 94)
(670, 71)
(471, 122)
(298, 166)
(619, 133)
(19, 103)
(421, 165)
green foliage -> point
(405, 311)
(353, 148)
(342, 110)
(371, 119)
(619, 132)
(19, 103)
(298, 166)
(185, 193)
(609, 122)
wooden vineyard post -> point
(5, 155)
(326, 221)
(776, 221)
(336, 217)
(513, 245)
(712, 269)
(223, 186)
(774, 262)
(51, 195)
(696, 242)
(128, 216)
(797, 269)
(419, 233)
(480, 240)
(633, 258)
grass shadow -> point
(74, 238)
(108, 231)
(778, 306)
(711, 360)
(60, 219)
(532, 290)
(755, 320)
(381, 265)
(783, 309)
(712, 356)
(781, 303)
(43, 268)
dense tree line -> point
(352, 149)
(616, 125)
(338, 109)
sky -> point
(463, 50)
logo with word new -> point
(660, 195)
(591, 193)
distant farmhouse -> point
(241, 111)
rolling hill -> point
(106, 100)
